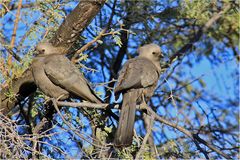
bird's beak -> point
(161, 55)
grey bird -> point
(137, 82)
(58, 77)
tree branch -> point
(151, 113)
(83, 104)
(101, 34)
(147, 136)
(75, 23)
(10, 51)
(181, 52)
(74, 130)
(9, 62)
(194, 137)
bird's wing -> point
(61, 71)
(149, 75)
(136, 73)
(44, 83)
(128, 76)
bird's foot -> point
(48, 99)
(143, 100)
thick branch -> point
(21, 88)
(76, 22)
(82, 104)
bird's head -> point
(44, 48)
(151, 51)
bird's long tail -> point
(124, 134)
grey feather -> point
(44, 83)
(62, 72)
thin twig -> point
(105, 83)
(10, 51)
(36, 131)
(149, 131)
(101, 34)
(55, 104)
(87, 68)
(14, 32)
(181, 52)
(195, 137)
(16, 24)
(86, 46)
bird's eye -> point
(43, 50)
(153, 53)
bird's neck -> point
(47, 54)
(37, 60)
(156, 63)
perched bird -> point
(58, 77)
(137, 80)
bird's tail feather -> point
(124, 134)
